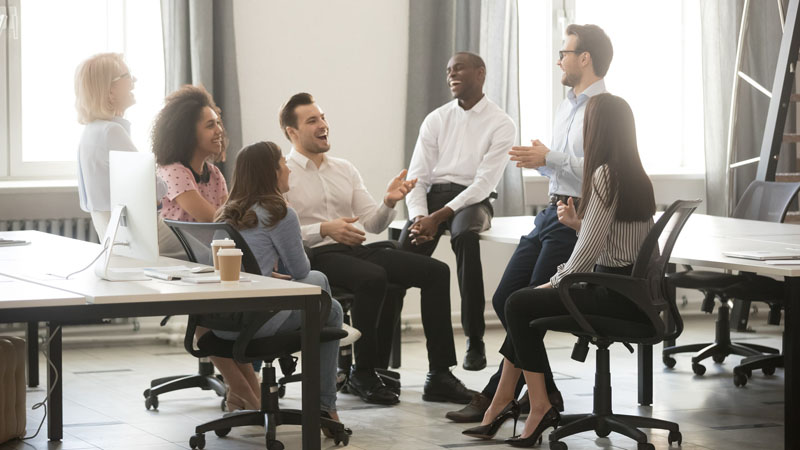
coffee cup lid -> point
(223, 242)
(229, 252)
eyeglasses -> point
(562, 53)
(124, 75)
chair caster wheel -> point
(557, 445)
(275, 445)
(739, 379)
(675, 437)
(197, 441)
(146, 393)
(282, 391)
(669, 361)
(719, 359)
(151, 402)
(645, 446)
(222, 432)
(769, 370)
(698, 369)
(222, 404)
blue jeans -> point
(329, 351)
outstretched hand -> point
(530, 157)
(398, 188)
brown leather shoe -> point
(472, 412)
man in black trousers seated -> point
(334, 209)
(459, 158)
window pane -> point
(536, 62)
(657, 69)
(55, 37)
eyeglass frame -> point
(124, 75)
(561, 53)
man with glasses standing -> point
(584, 61)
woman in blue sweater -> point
(257, 209)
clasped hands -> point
(342, 229)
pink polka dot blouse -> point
(180, 179)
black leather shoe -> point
(550, 419)
(475, 358)
(472, 412)
(488, 431)
(443, 386)
(392, 383)
(368, 385)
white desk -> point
(87, 298)
(17, 293)
(701, 243)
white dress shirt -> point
(469, 148)
(332, 191)
(564, 162)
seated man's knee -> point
(464, 238)
(374, 280)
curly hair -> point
(255, 182)
(174, 132)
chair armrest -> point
(633, 289)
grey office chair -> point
(764, 201)
(646, 287)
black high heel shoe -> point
(550, 419)
(488, 431)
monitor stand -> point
(101, 267)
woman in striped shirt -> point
(612, 220)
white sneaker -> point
(352, 335)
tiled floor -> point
(104, 407)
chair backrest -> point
(194, 246)
(767, 201)
(653, 259)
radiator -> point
(76, 228)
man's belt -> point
(555, 198)
(453, 187)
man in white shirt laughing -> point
(334, 208)
(459, 158)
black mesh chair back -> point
(195, 237)
(767, 201)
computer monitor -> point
(132, 231)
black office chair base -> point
(603, 424)
(204, 379)
(767, 364)
(718, 350)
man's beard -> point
(570, 80)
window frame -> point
(4, 122)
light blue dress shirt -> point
(564, 162)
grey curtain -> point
(200, 49)
(437, 29)
(720, 22)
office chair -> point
(646, 287)
(246, 349)
(764, 201)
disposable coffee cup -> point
(217, 244)
(230, 264)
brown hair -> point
(255, 182)
(609, 138)
(593, 40)
(174, 132)
(287, 115)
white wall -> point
(351, 56)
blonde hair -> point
(93, 79)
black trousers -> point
(464, 228)
(367, 272)
(528, 351)
(533, 263)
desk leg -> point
(791, 344)
(645, 360)
(32, 341)
(311, 392)
(55, 412)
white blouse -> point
(98, 138)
